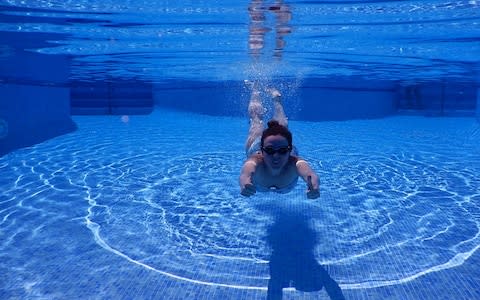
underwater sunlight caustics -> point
(390, 212)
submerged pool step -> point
(111, 99)
(98, 106)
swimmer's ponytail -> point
(275, 128)
(273, 123)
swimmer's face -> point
(276, 152)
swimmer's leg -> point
(279, 113)
(256, 112)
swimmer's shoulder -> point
(297, 160)
(256, 158)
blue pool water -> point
(151, 208)
(122, 134)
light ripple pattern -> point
(399, 198)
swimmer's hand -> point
(313, 191)
(248, 190)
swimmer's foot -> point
(275, 94)
(249, 84)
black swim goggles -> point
(271, 151)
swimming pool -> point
(151, 208)
(142, 201)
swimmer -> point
(272, 161)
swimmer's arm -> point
(310, 177)
(246, 183)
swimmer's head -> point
(275, 128)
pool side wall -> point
(34, 94)
(478, 104)
(34, 110)
(314, 100)
(326, 100)
(34, 114)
